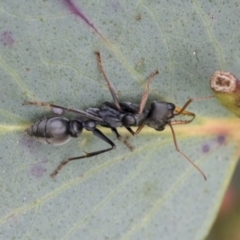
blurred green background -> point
(227, 224)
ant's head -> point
(159, 115)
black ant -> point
(58, 130)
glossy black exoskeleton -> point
(58, 130)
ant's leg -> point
(114, 130)
(145, 94)
(183, 154)
(124, 140)
(139, 129)
(81, 112)
(98, 134)
(130, 130)
(110, 86)
(143, 103)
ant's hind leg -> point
(98, 134)
(56, 110)
(44, 104)
(110, 86)
(78, 111)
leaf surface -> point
(47, 54)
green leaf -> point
(47, 54)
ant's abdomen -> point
(51, 130)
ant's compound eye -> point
(170, 106)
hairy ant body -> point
(58, 130)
